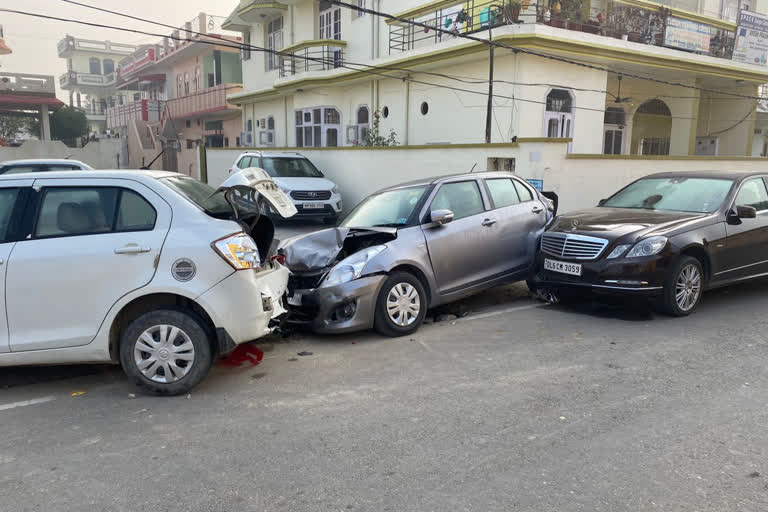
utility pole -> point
(489, 108)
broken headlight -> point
(351, 267)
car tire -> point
(683, 287)
(190, 363)
(409, 288)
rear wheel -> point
(683, 287)
(166, 352)
(401, 305)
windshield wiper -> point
(388, 225)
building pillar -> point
(45, 123)
(685, 114)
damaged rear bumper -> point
(346, 307)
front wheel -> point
(401, 305)
(166, 352)
(683, 287)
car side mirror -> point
(741, 212)
(746, 212)
(601, 202)
(441, 217)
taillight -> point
(239, 250)
(280, 258)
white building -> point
(329, 101)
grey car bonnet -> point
(319, 249)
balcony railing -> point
(72, 78)
(319, 55)
(213, 99)
(142, 110)
(26, 83)
(632, 20)
(70, 44)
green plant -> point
(11, 126)
(68, 123)
(373, 136)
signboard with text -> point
(687, 35)
(751, 39)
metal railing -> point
(72, 78)
(320, 57)
(615, 19)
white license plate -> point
(313, 206)
(295, 299)
(563, 267)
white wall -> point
(101, 154)
(580, 180)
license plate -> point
(563, 267)
(313, 206)
(295, 299)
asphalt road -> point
(517, 406)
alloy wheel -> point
(403, 304)
(164, 353)
(688, 287)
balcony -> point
(139, 60)
(208, 101)
(73, 79)
(23, 83)
(142, 110)
(69, 45)
(638, 21)
(309, 56)
(252, 11)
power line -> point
(220, 41)
(517, 49)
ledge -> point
(479, 145)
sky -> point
(33, 40)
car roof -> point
(707, 174)
(92, 174)
(273, 154)
(39, 161)
(451, 177)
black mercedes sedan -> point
(667, 236)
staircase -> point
(145, 135)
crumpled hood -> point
(319, 249)
(261, 182)
(304, 183)
(613, 223)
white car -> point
(312, 193)
(154, 270)
(42, 165)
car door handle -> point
(537, 209)
(132, 249)
(489, 222)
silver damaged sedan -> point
(412, 247)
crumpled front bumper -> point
(346, 307)
(246, 303)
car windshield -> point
(202, 194)
(290, 168)
(678, 194)
(391, 208)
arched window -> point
(198, 78)
(179, 86)
(94, 66)
(362, 115)
(186, 83)
(318, 127)
(652, 128)
(558, 118)
(357, 134)
(109, 66)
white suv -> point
(155, 270)
(312, 193)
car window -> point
(523, 191)
(245, 162)
(8, 198)
(19, 169)
(754, 194)
(76, 211)
(134, 213)
(462, 198)
(503, 192)
(62, 167)
(284, 167)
